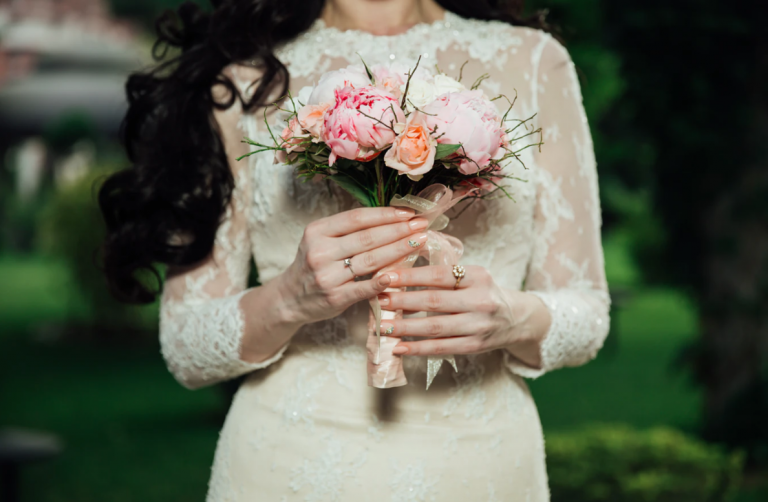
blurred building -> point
(62, 55)
(63, 67)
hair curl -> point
(179, 183)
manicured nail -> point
(414, 244)
(405, 213)
(418, 223)
(384, 280)
(400, 350)
(387, 329)
(383, 300)
(392, 276)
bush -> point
(72, 229)
(613, 463)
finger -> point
(437, 276)
(436, 300)
(352, 292)
(353, 220)
(441, 346)
(465, 324)
(375, 237)
(376, 259)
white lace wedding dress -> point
(304, 425)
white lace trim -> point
(200, 341)
(311, 52)
(580, 323)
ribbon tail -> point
(433, 366)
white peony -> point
(304, 94)
(444, 84)
(420, 94)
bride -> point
(304, 425)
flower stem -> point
(380, 182)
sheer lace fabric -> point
(547, 242)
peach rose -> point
(311, 119)
(413, 151)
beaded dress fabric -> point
(304, 425)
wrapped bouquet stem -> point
(392, 135)
(384, 368)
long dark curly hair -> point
(179, 183)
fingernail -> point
(392, 276)
(399, 350)
(404, 213)
(387, 329)
(383, 300)
(418, 223)
(384, 280)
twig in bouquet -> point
(529, 133)
(461, 70)
(466, 206)
(509, 108)
(503, 190)
(479, 81)
(520, 122)
(416, 108)
(408, 82)
(390, 126)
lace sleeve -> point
(201, 321)
(566, 270)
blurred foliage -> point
(610, 463)
(71, 229)
(677, 97)
(145, 11)
(68, 129)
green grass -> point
(131, 433)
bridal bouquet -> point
(391, 135)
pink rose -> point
(351, 76)
(360, 123)
(392, 77)
(413, 151)
(470, 119)
(292, 138)
(311, 119)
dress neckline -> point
(449, 18)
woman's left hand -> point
(481, 315)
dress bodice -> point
(546, 240)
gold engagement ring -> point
(458, 273)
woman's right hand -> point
(318, 285)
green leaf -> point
(353, 188)
(367, 70)
(445, 150)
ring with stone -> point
(348, 264)
(458, 273)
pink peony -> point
(360, 123)
(470, 119)
(351, 76)
(292, 138)
(413, 151)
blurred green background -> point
(675, 407)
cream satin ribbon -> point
(384, 368)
